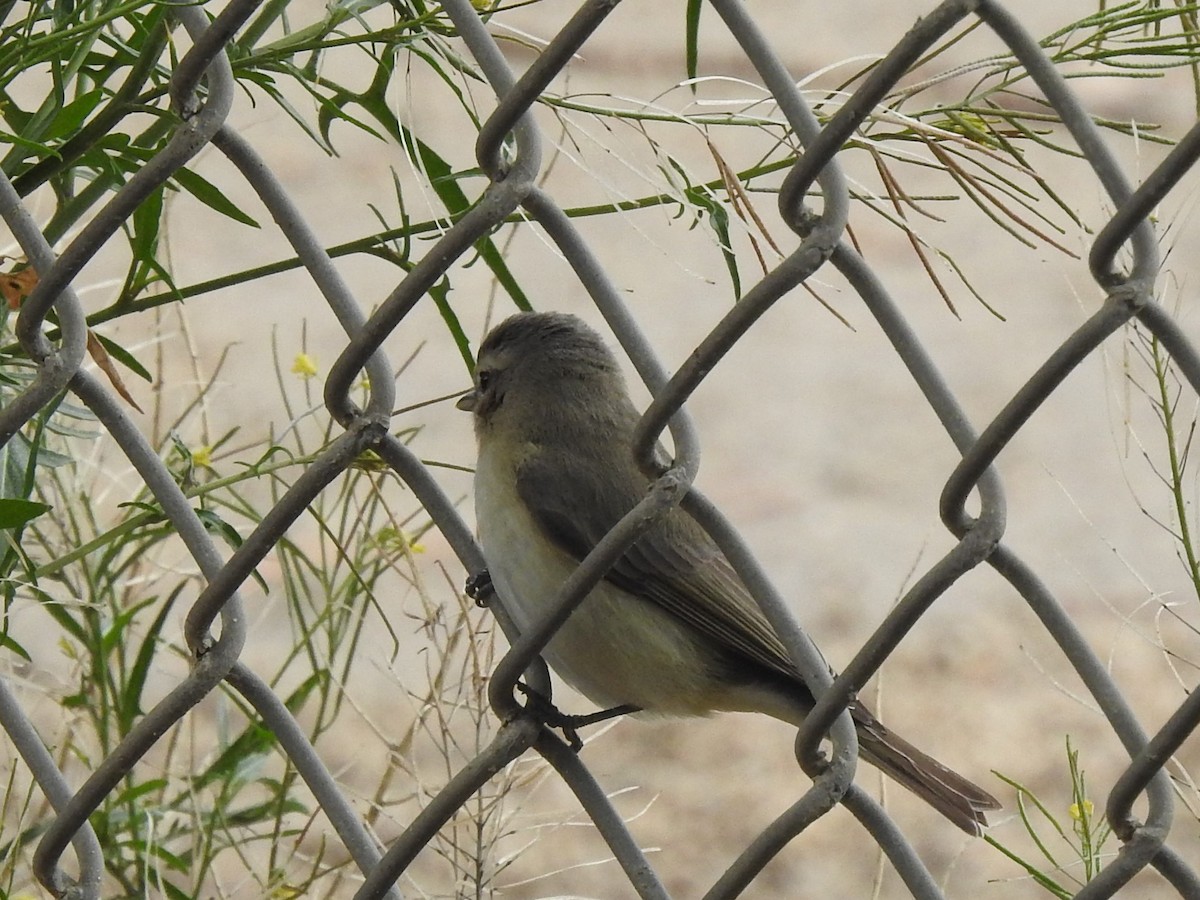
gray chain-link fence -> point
(509, 151)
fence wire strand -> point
(509, 152)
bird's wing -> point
(675, 564)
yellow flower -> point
(369, 461)
(202, 457)
(304, 365)
(392, 538)
(1078, 815)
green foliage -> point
(1164, 392)
(105, 110)
(1071, 854)
(107, 580)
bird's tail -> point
(959, 800)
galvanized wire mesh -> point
(509, 151)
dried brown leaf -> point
(101, 358)
(16, 286)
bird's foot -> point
(552, 717)
(480, 588)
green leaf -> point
(146, 220)
(692, 32)
(208, 194)
(718, 220)
(267, 811)
(215, 525)
(16, 458)
(152, 509)
(69, 119)
(174, 893)
(255, 740)
(445, 184)
(15, 512)
(136, 791)
(117, 631)
(129, 706)
(439, 292)
(6, 642)
(296, 699)
(1035, 873)
(125, 358)
(175, 862)
(442, 177)
(296, 116)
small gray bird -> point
(671, 629)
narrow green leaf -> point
(268, 85)
(117, 631)
(149, 272)
(125, 358)
(175, 862)
(267, 811)
(1036, 874)
(692, 33)
(7, 643)
(255, 740)
(718, 220)
(296, 699)
(131, 694)
(140, 789)
(439, 293)
(15, 512)
(208, 194)
(63, 614)
(331, 112)
(146, 220)
(441, 174)
(446, 186)
(69, 119)
(215, 525)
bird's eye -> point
(484, 378)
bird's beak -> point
(468, 401)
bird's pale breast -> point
(615, 648)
